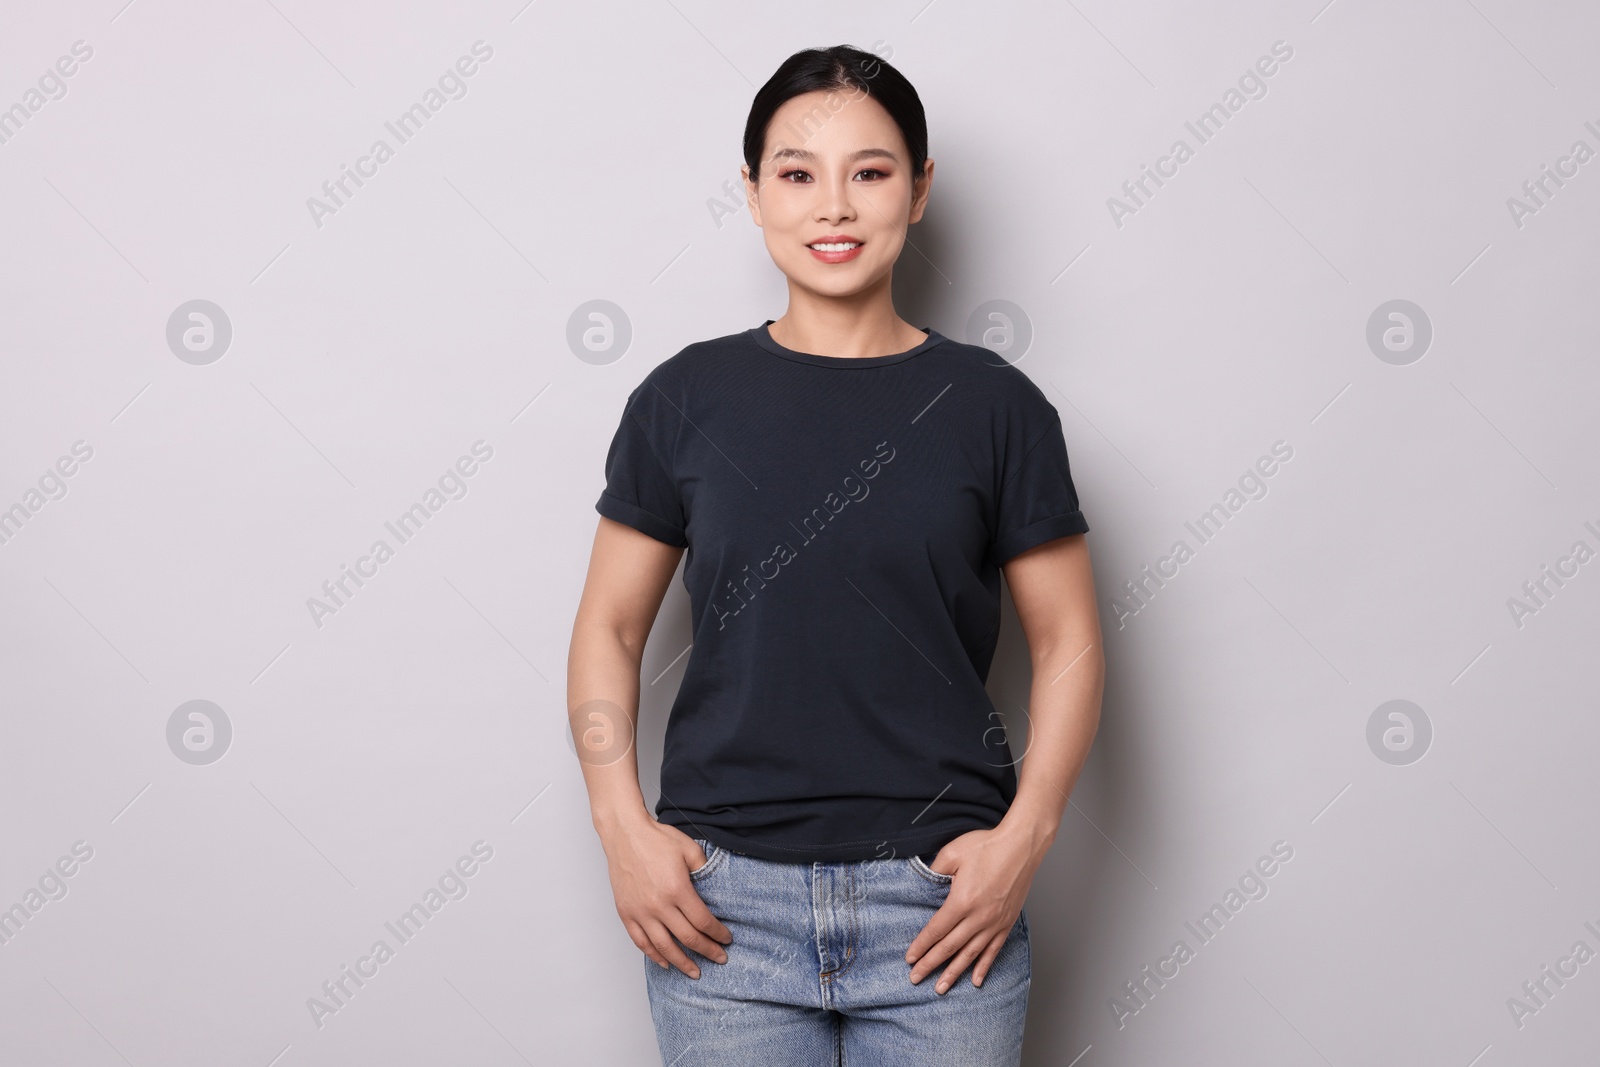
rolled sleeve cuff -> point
(1019, 541)
(645, 522)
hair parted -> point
(841, 67)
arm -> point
(649, 861)
(1052, 587)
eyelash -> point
(864, 170)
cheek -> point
(887, 243)
(782, 211)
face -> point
(835, 172)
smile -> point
(837, 251)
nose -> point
(833, 205)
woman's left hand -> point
(993, 870)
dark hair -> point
(828, 69)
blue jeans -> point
(817, 975)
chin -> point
(834, 286)
(841, 280)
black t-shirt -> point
(845, 520)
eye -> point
(872, 170)
(791, 173)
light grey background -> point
(370, 752)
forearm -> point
(602, 713)
(1064, 713)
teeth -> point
(835, 246)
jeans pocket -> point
(714, 854)
(929, 873)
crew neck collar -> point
(763, 337)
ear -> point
(751, 199)
(920, 189)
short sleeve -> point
(639, 491)
(1037, 501)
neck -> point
(862, 324)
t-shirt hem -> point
(645, 522)
(843, 852)
(1019, 541)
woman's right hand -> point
(649, 862)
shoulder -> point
(989, 380)
(695, 363)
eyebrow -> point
(801, 153)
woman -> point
(839, 816)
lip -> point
(836, 257)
